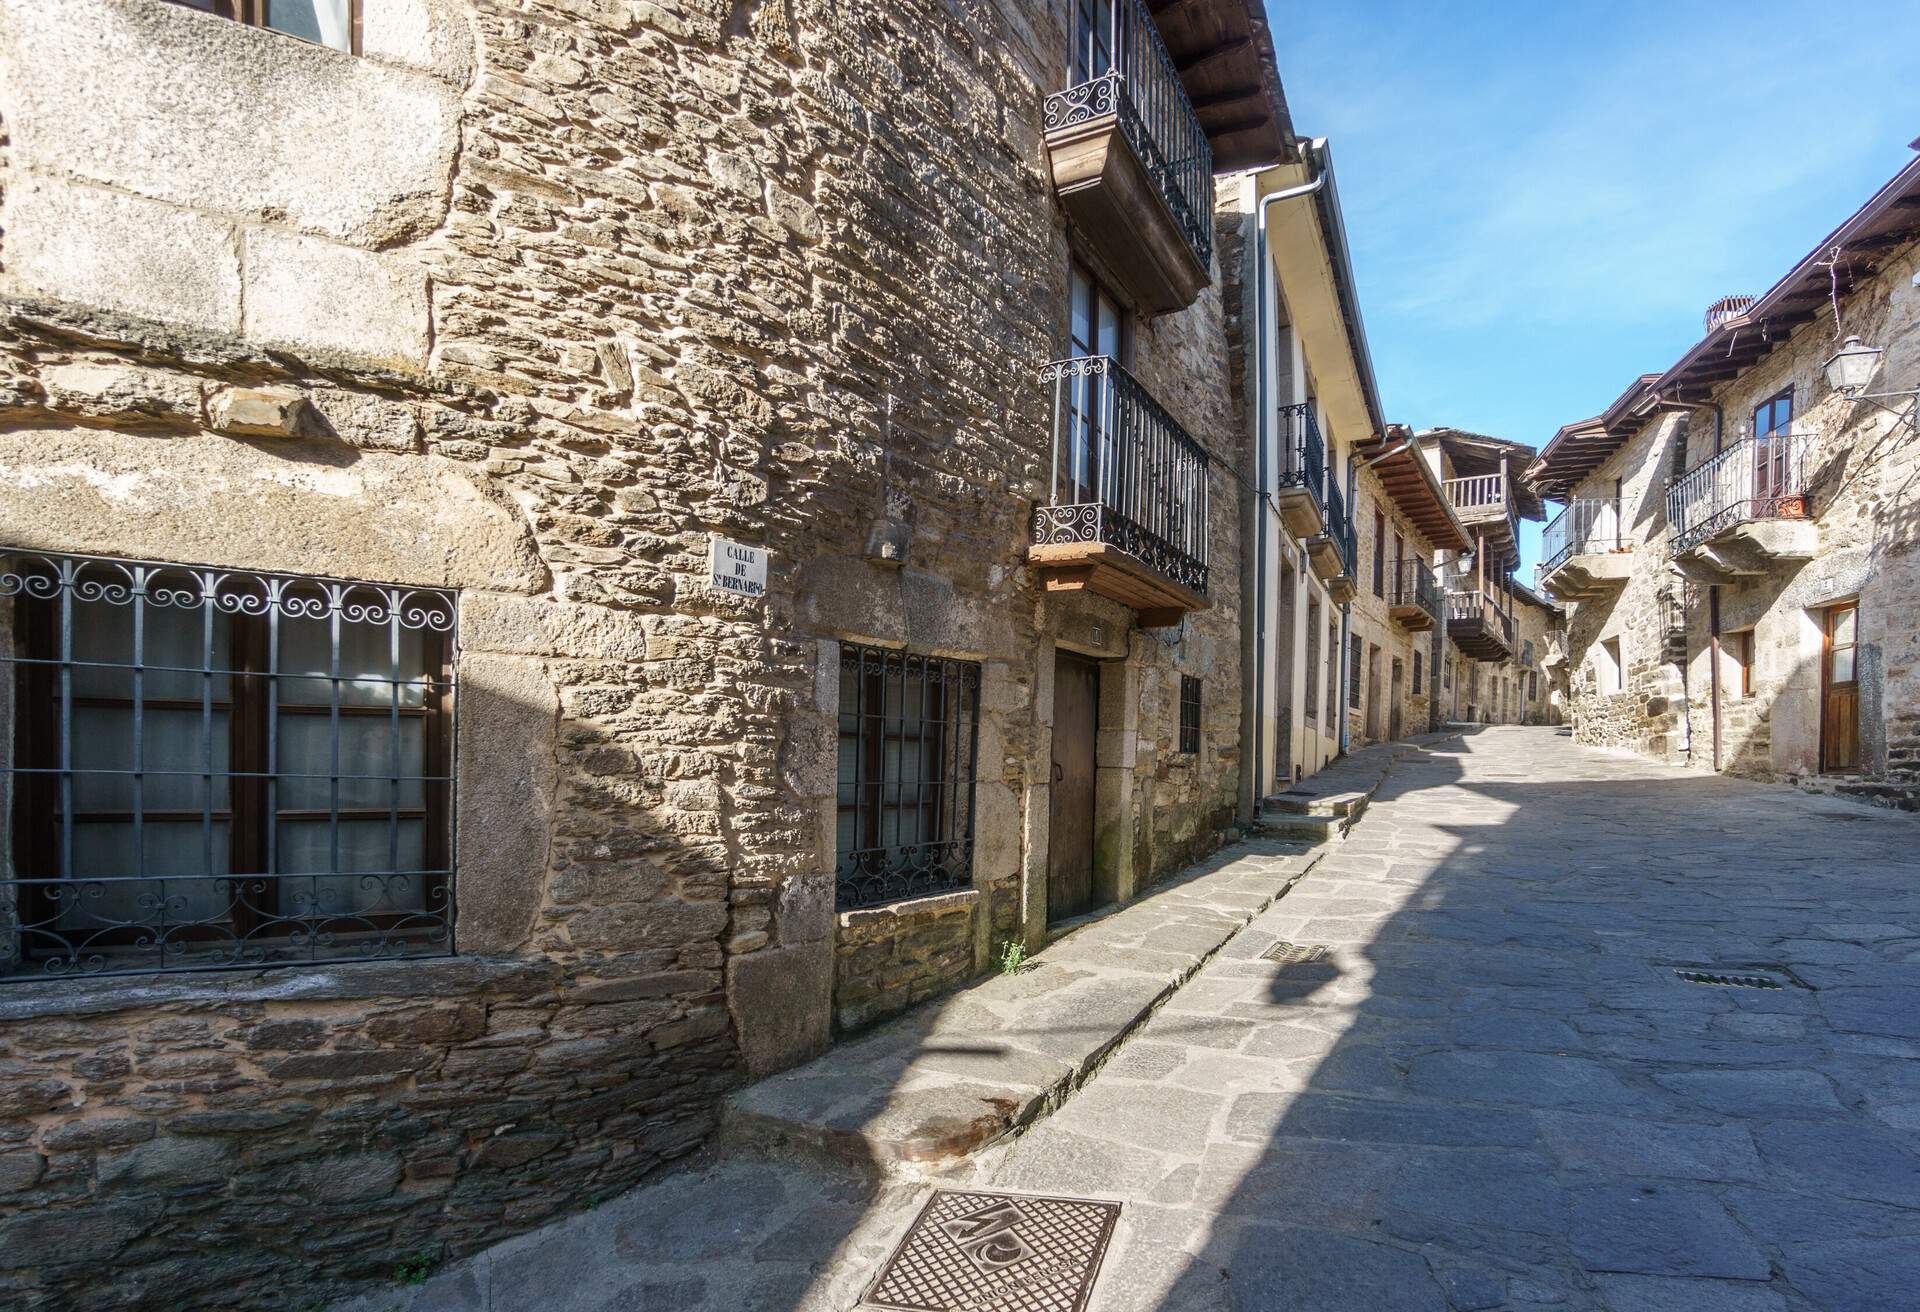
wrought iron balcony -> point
(1478, 626)
(1331, 551)
(1126, 512)
(1131, 162)
(1413, 597)
(1299, 492)
(1583, 552)
(1736, 512)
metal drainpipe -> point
(1262, 342)
(1713, 619)
(1346, 617)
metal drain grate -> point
(1729, 980)
(969, 1252)
(1295, 954)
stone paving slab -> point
(930, 1088)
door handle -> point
(1058, 773)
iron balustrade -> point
(1587, 527)
(1124, 472)
(1339, 527)
(218, 769)
(1303, 456)
(1132, 77)
(1481, 607)
(1755, 478)
(1414, 585)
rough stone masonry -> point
(527, 300)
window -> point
(216, 768)
(1095, 327)
(1739, 647)
(1446, 675)
(1353, 673)
(1189, 714)
(1533, 685)
(1416, 674)
(1607, 667)
(1333, 674)
(1379, 554)
(334, 23)
(1091, 51)
(904, 807)
(1313, 657)
(1773, 415)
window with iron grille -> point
(908, 732)
(1189, 714)
(220, 768)
(1359, 652)
(1416, 674)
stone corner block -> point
(782, 1005)
(309, 296)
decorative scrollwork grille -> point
(1756, 478)
(909, 729)
(1125, 473)
(220, 769)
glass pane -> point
(1843, 626)
(369, 881)
(175, 741)
(366, 664)
(366, 748)
(1081, 326)
(105, 852)
(324, 21)
(1843, 665)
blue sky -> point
(1543, 199)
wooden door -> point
(1393, 701)
(1076, 702)
(1840, 690)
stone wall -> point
(634, 275)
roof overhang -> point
(1477, 453)
(1307, 244)
(1888, 221)
(1582, 447)
(1223, 50)
(1412, 485)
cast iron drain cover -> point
(1729, 979)
(969, 1252)
(1294, 954)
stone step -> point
(1305, 828)
(1308, 801)
(929, 1090)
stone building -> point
(557, 553)
(1738, 540)
(1345, 615)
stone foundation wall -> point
(889, 959)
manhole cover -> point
(1730, 979)
(969, 1252)
(1295, 954)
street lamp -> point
(1849, 368)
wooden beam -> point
(1219, 52)
(1223, 99)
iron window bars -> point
(1755, 478)
(909, 729)
(1587, 527)
(218, 769)
(1357, 651)
(1339, 527)
(1124, 472)
(1189, 714)
(1120, 66)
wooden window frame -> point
(1190, 697)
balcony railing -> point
(1139, 84)
(1413, 584)
(1480, 494)
(1587, 527)
(1303, 455)
(1755, 478)
(1125, 473)
(1481, 607)
(1339, 526)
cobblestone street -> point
(1492, 1090)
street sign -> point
(736, 568)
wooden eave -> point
(1582, 447)
(1410, 484)
(1889, 221)
(1224, 53)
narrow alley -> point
(1481, 1081)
